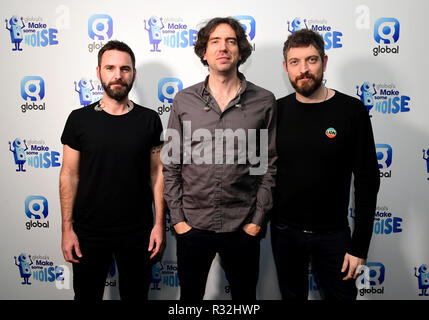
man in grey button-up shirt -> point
(219, 165)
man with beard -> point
(323, 138)
(111, 172)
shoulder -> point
(286, 100)
(260, 92)
(145, 111)
(82, 113)
(353, 104)
(190, 91)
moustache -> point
(304, 75)
(122, 83)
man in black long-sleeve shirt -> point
(323, 138)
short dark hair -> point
(244, 47)
(305, 38)
(116, 45)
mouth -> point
(117, 84)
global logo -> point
(32, 90)
(384, 158)
(35, 34)
(386, 101)
(331, 37)
(38, 155)
(100, 27)
(170, 32)
(372, 278)
(386, 32)
(167, 90)
(249, 25)
(36, 208)
(87, 91)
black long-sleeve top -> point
(320, 146)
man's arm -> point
(157, 236)
(173, 171)
(69, 178)
(366, 185)
(264, 197)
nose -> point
(222, 45)
(304, 67)
(117, 73)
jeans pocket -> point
(185, 233)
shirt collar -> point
(204, 92)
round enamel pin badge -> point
(331, 133)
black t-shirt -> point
(113, 204)
(319, 146)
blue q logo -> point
(32, 88)
(36, 207)
(100, 27)
(167, 89)
(249, 25)
(376, 273)
(386, 30)
(384, 155)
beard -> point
(118, 93)
(309, 86)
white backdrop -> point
(375, 42)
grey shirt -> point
(209, 187)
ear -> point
(285, 66)
(98, 73)
(135, 73)
(325, 63)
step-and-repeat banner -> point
(377, 53)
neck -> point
(115, 107)
(223, 84)
(320, 95)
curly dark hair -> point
(244, 47)
(304, 38)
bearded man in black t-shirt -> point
(110, 176)
(323, 138)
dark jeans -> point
(293, 249)
(134, 272)
(239, 253)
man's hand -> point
(69, 243)
(353, 264)
(182, 227)
(252, 229)
(156, 240)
